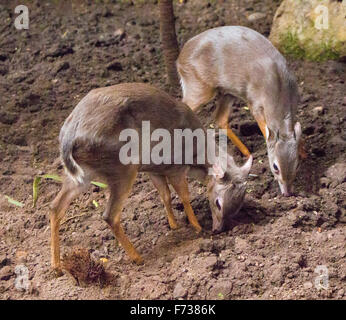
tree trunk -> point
(169, 41)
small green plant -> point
(290, 45)
(99, 184)
(14, 202)
(328, 53)
(37, 180)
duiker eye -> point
(217, 203)
(276, 168)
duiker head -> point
(226, 190)
(283, 157)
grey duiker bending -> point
(239, 62)
(90, 147)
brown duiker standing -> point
(92, 141)
(236, 61)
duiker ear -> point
(247, 167)
(297, 131)
(270, 134)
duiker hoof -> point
(173, 226)
(198, 229)
(57, 272)
(139, 261)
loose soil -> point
(276, 243)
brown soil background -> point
(275, 244)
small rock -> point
(8, 118)
(146, 21)
(6, 273)
(256, 16)
(21, 256)
(240, 245)
(341, 293)
(337, 173)
(59, 50)
(19, 77)
(318, 110)
(222, 290)
(30, 99)
(120, 33)
(34, 108)
(115, 65)
(206, 245)
(20, 140)
(108, 39)
(4, 286)
(307, 285)
(277, 276)
(307, 97)
(63, 65)
(106, 13)
(209, 262)
(179, 291)
(276, 259)
(95, 255)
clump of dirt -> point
(85, 270)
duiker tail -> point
(67, 143)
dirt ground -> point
(275, 245)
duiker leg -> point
(261, 121)
(181, 186)
(223, 109)
(160, 183)
(120, 189)
(58, 209)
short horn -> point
(247, 166)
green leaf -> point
(220, 295)
(37, 180)
(53, 177)
(99, 184)
(15, 202)
(36, 183)
(95, 203)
